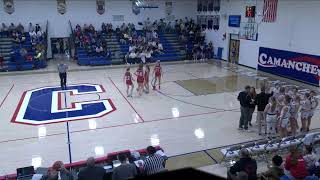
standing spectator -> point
(284, 117)
(245, 165)
(62, 68)
(37, 28)
(91, 172)
(244, 103)
(58, 171)
(252, 96)
(155, 163)
(275, 172)
(270, 112)
(31, 28)
(295, 165)
(261, 101)
(125, 170)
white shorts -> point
(271, 118)
(311, 113)
(305, 114)
(285, 123)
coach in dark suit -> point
(91, 172)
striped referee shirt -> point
(154, 164)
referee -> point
(155, 163)
(62, 68)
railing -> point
(46, 36)
(71, 40)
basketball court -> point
(196, 105)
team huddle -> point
(143, 77)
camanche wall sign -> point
(298, 66)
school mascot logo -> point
(47, 105)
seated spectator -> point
(310, 158)
(245, 165)
(160, 47)
(155, 163)
(11, 28)
(58, 171)
(125, 170)
(132, 48)
(31, 28)
(99, 50)
(20, 28)
(91, 172)
(148, 55)
(275, 172)
(37, 28)
(295, 165)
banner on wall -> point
(168, 8)
(100, 6)
(8, 6)
(61, 6)
(298, 66)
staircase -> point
(114, 47)
(173, 50)
(6, 45)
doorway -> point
(60, 48)
(234, 48)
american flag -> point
(270, 10)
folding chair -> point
(259, 150)
(249, 146)
(230, 153)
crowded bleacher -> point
(22, 48)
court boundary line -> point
(5, 98)
(126, 99)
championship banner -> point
(100, 6)
(62, 6)
(293, 65)
(8, 6)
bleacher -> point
(85, 59)
(13, 61)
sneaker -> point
(240, 128)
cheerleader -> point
(146, 78)
(280, 99)
(271, 116)
(305, 111)
(284, 117)
(314, 104)
(157, 71)
(294, 110)
(128, 80)
(140, 79)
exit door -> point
(234, 47)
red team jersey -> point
(128, 78)
(157, 70)
(140, 77)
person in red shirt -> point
(295, 164)
(146, 78)
(140, 79)
(157, 71)
(128, 80)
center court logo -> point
(49, 105)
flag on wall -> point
(270, 8)
(8, 6)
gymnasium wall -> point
(296, 29)
(84, 11)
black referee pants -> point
(63, 80)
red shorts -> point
(140, 80)
(158, 74)
(129, 83)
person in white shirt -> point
(155, 34)
(31, 28)
(160, 47)
(142, 56)
(132, 48)
(148, 55)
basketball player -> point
(157, 71)
(140, 79)
(314, 104)
(146, 78)
(294, 110)
(128, 80)
(305, 112)
(271, 116)
(284, 116)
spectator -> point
(125, 170)
(58, 171)
(244, 100)
(261, 101)
(31, 28)
(99, 50)
(252, 96)
(91, 172)
(11, 28)
(155, 163)
(295, 165)
(275, 172)
(37, 28)
(246, 164)
(310, 158)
